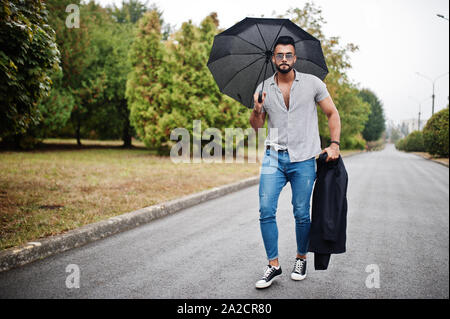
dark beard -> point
(284, 71)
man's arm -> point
(334, 123)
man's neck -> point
(285, 77)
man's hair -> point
(285, 40)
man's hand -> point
(332, 151)
(257, 117)
(258, 106)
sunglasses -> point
(280, 56)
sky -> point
(396, 38)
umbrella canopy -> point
(240, 57)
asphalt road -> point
(398, 222)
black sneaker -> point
(269, 275)
(299, 271)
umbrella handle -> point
(261, 92)
(260, 97)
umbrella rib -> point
(273, 69)
(261, 36)
(276, 37)
(249, 42)
(264, 78)
(256, 84)
(254, 53)
(233, 54)
(240, 71)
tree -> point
(28, 56)
(57, 107)
(92, 81)
(129, 12)
(144, 83)
(375, 125)
(132, 10)
(109, 117)
(81, 84)
(197, 94)
(94, 70)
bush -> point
(400, 144)
(436, 135)
(355, 142)
(414, 142)
(376, 145)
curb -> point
(32, 251)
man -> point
(292, 145)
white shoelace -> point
(268, 271)
(299, 266)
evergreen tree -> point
(375, 125)
(146, 80)
(129, 12)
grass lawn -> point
(62, 187)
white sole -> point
(265, 284)
(297, 277)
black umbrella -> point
(240, 56)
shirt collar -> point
(296, 78)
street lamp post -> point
(433, 82)
(420, 107)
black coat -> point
(329, 211)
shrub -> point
(436, 134)
(414, 142)
(378, 144)
(400, 144)
(355, 142)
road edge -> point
(35, 250)
(430, 159)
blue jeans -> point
(276, 171)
